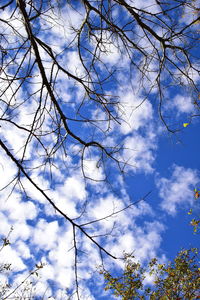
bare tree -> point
(57, 87)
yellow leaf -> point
(185, 124)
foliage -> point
(179, 279)
(129, 283)
(196, 220)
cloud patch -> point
(177, 191)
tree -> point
(178, 279)
(63, 112)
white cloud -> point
(104, 207)
(148, 5)
(136, 112)
(139, 152)
(10, 255)
(183, 104)
(73, 188)
(45, 234)
(67, 196)
(7, 172)
(5, 226)
(62, 24)
(92, 169)
(32, 191)
(74, 64)
(23, 249)
(177, 191)
(15, 26)
(110, 50)
(21, 231)
(142, 242)
(109, 206)
(18, 210)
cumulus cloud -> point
(45, 234)
(183, 104)
(177, 191)
(136, 112)
(142, 242)
(23, 249)
(18, 210)
(10, 255)
(139, 152)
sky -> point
(134, 200)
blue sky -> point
(82, 181)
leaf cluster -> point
(179, 279)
